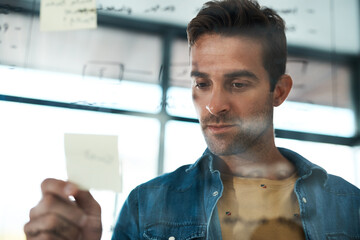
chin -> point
(226, 150)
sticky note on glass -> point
(60, 15)
(92, 161)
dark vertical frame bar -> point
(167, 39)
(355, 89)
(355, 96)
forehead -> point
(216, 51)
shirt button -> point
(304, 200)
(215, 193)
(171, 238)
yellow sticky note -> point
(92, 161)
(59, 15)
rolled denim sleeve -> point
(127, 225)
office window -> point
(32, 149)
(179, 93)
(115, 67)
(319, 100)
(335, 159)
(74, 89)
(99, 67)
(184, 144)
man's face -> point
(231, 93)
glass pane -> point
(180, 64)
(184, 144)
(179, 93)
(70, 88)
(313, 118)
(179, 102)
(320, 24)
(98, 67)
(314, 24)
(335, 159)
(320, 100)
(319, 82)
(103, 52)
(32, 149)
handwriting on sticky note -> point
(92, 161)
(58, 15)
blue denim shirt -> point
(182, 204)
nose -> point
(218, 103)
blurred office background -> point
(129, 77)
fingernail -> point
(69, 189)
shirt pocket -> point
(342, 236)
(175, 231)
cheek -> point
(195, 100)
(246, 107)
(198, 103)
(194, 96)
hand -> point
(58, 217)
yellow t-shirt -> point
(257, 208)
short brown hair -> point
(245, 18)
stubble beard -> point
(246, 136)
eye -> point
(238, 84)
(201, 85)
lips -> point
(220, 128)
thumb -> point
(87, 203)
(93, 226)
(84, 199)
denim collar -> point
(207, 159)
(304, 167)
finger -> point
(44, 235)
(51, 225)
(93, 226)
(52, 204)
(65, 189)
(60, 188)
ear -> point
(282, 90)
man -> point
(243, 187)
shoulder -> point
(318, 176)
(340, 186)
(170, 188)
(183, 177)
(178, 179)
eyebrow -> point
(231, 75)
(241, 73)
(199, 74)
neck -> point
(265, 162)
